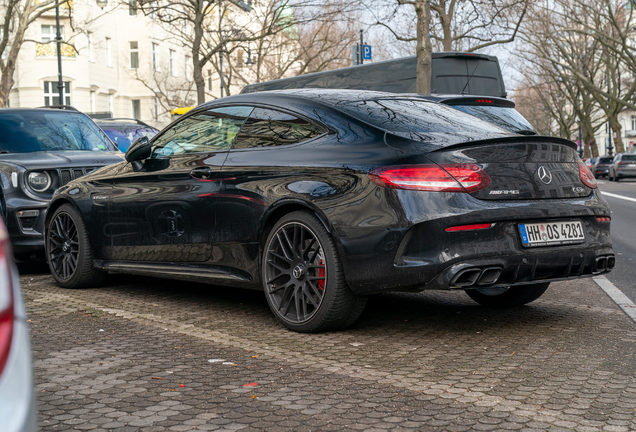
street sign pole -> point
(361, 60)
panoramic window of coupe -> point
(321, 198)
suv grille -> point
(66, 175)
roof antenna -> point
(471, 75)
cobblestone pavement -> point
(155, 355)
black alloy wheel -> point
(303, 279)
(68, 251)
(507, 297)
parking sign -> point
(366, 52)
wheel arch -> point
(280, 209)
(54, 205)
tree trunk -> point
(424, 47)
(616, 127)
(197, 62)
(6, 82)
(445, 21)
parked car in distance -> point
(17, 402)
(123, 131)
(323, 197)
(601, 165)
(42, 149)
(623, 166)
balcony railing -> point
(49, 49)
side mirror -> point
(139, 149)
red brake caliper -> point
(321, 273)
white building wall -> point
(86, 75)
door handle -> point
(201, 173)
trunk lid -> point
(522, 170)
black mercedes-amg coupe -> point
(322, 197)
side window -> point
(266, 128)
(206, 131)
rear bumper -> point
(421, 255)
(624, 173)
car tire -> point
(68, 250)
(510, 297)
(303, 278)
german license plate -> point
(551, 233)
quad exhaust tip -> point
(471, 276)
(604, 263)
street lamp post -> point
(58, 41)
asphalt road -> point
(621, 197)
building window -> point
(51, 94)
(188, 67)
(155, 56)
(136, 109)
(49, 32)
(209, 79)
(108, 53)
(153, 9)
(634, 122)
(170, 14)
(155, 108)
(134, 55)
(172, 63)
(110, 103)
(132, 7)
(91, 57)
(92, 96)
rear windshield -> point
(504, 117)
(32, 131)
(416, 119)
(605, 160)
(631, 157)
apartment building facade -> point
(116, 61)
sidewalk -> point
(115, 358)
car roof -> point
(40, 109)
(329, 97)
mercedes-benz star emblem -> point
(544, 175)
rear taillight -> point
(470, 227)
(603, 219)
(6, 298)
(622, 163)
(586, 176)
(431, 177)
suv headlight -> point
(39, 181)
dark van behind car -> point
(452, 73)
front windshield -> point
(505, 117)
(33, 131)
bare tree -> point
(169, 91)
(467, 25)
(17, 16)
(209, 28)
(310, 46)
(588, 44)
